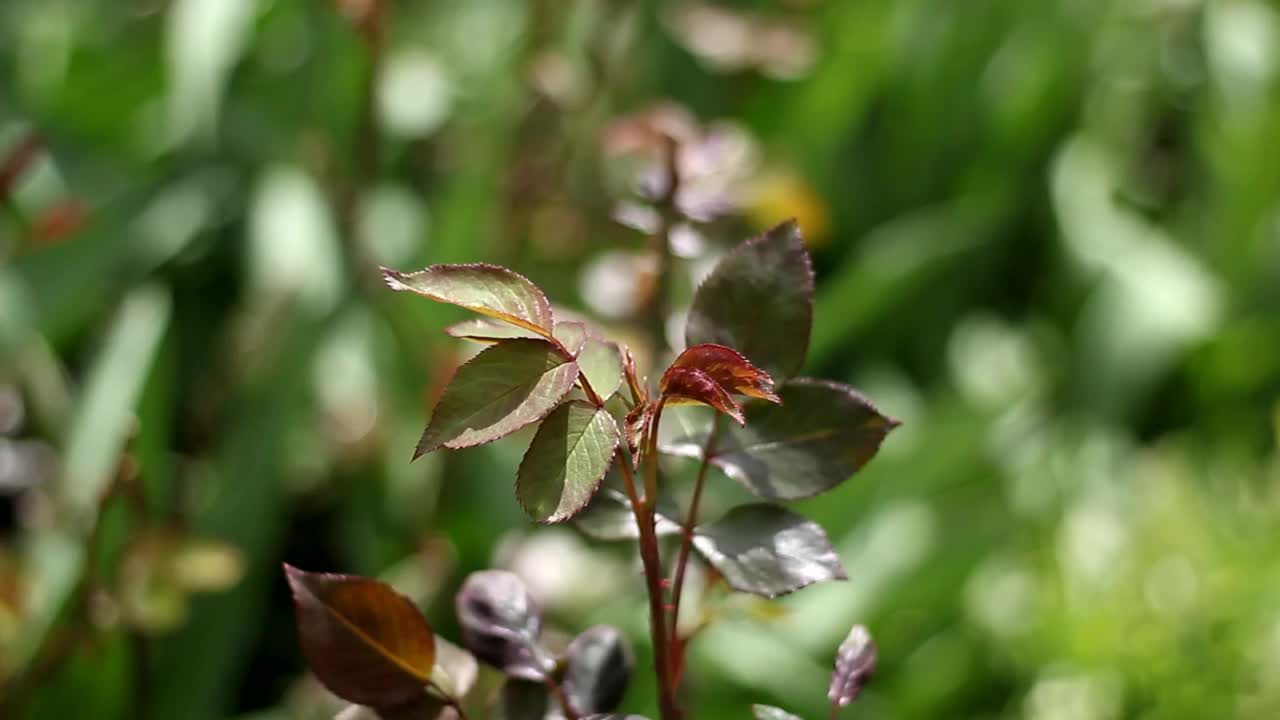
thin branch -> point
(562, 698)
(690, 521)
(668, 707)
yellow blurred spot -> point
(783, 194)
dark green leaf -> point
(768, 550)
(526, 700)
(501, 624)
(566, 461)
(609, 517)
(821, 434)
(599, 669)
(364, 641)
(759, 301)
(499, 391)
(855, 662)
(769, 712)
(488, 289)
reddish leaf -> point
(691, 385)
(364, 641)
(638, 393)
(731, 369)
(855, 661)
(487, 289)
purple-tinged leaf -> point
(599, 670)
(769, 712)
(499, 391)
(501, 624)
(488, 289)
(609, 517)
(730, 368)
(768, 550)
(855, 662)
(759, 301)
(821, 434)
(488, 330)
(683, 385)
(569, 456)
(364, 641)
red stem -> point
(686, 543)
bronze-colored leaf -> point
(682, 385)
(731, 369)
(364, 641)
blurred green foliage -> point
(1047, 236)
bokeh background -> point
(1047, 237)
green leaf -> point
(364, 641)
(759, 301)
(821, 434)
(602, 366)
(769, 712)
(768, 550)
(566, 461)
(609, 517)
(571, 335)
(487, 289)
(455, 670)
(488, 330)
(499, 391)
(598, 670)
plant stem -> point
(691, 520)
(668, 707)
(562, 698)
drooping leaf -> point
(609, 517)
(488, 289)
(566, 461)
(599, 669)
(768, 550)
(501, 624)
(681, 385)
(769, 712)
(455, 670)
(528, 700)
(499, 391)
(728, 367)
(759, 301)
(488, 330)
(602, 366)
(571, 335)
(855, 662)
(364, 641)
(821, 435)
